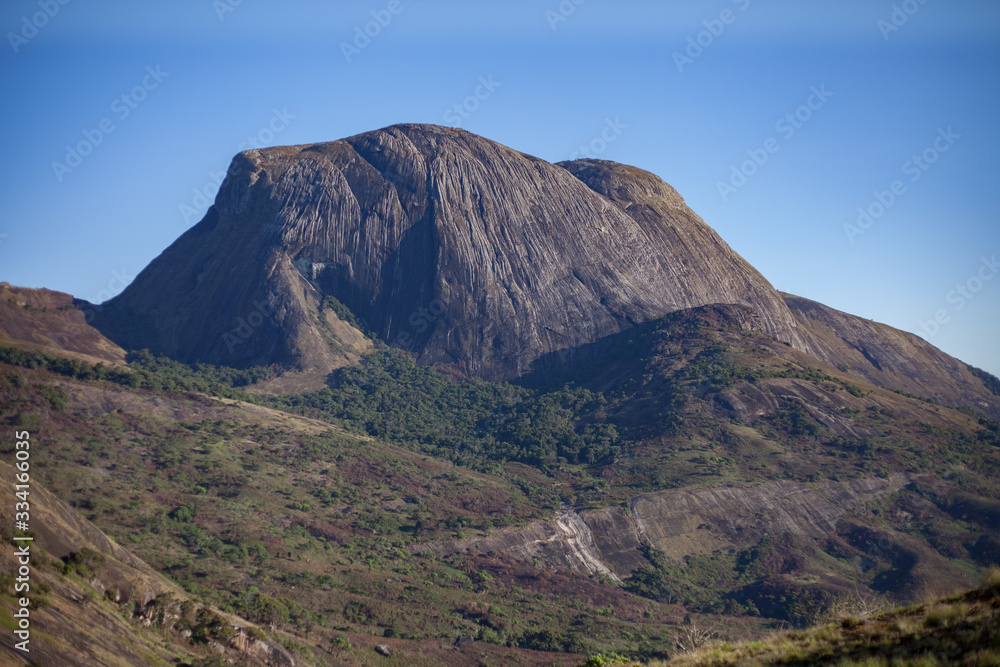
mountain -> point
(47, 321)
(472, 256)
(466, 252)
(682, 446)
(890, 358)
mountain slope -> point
(889, 358)
(723, 475)
(962, 629)
(466, 252)
(81, 583)
(40, 320)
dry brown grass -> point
(960, 630)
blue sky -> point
(775, 120)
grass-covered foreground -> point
(962, 629)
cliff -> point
(466, 252)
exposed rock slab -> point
(889, 358)
(673, 520)
(678, 522)
(462, 250)
(566, 542)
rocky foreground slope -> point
(80, 583)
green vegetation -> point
(145, 372)
(85, 563)
(991, 381)
(734, 583)
(320, 521)
(473, 423)
(345, 314)
(323, 514)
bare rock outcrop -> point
(566, 542)
(476, 258)
(468, 253)
(678, 522)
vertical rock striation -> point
(468, 253)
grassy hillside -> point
(960, 629)
(289, 521)
(306, 512)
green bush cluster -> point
(85, 562)
(145, 371)
(472, 423)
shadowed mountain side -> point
(610, 362)
(848, 346)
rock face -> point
(678, 523)
(468, 253)
(566, 542)
(474, 257)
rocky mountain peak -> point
(462, 250)
(474, 257)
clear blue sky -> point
(200, 77)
